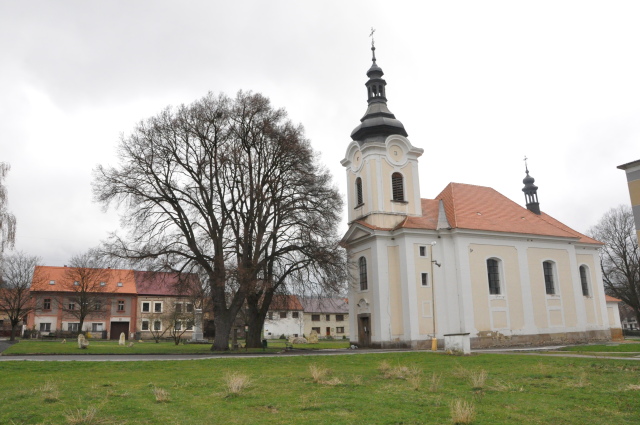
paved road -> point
(173, 357)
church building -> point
(470, 261)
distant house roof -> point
(325, 305)
(164, 283)
(117, 281)
(285, 302)
(611, 299)
(466, 206)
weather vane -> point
(525, 164)
(371, 35)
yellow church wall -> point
(395, 291)
(423, 293)
(592, 303)
(505, 309)
(558, 310)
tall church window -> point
(362, 264)
(397, 186)
(493, 273)
(359, 200)
(549, 279)
(584, 281)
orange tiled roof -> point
(611, 299)
(483, 208)
(285, 302)
(63, 278)
(474, 207)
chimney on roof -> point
(65, 265)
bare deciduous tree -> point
(230, 187)
(7, 220)
(18, 273)
(86, 280)
(620, 257)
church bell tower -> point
(381, 163)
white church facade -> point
(469, 261)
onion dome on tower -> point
(378, 122)
(530, 192)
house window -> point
(45, 327)
(97, 327)
(97, 305)
(339, 317)
(73, 327)
(178, 326)
(178, 308)
(359, 200)
(71, 306)
(157, 325)
(189, 325)
(493, 274)
(52, 282)
(424, 279)
(549, 283)
(76, 283)
(283, 314)
(270, 315)
(295, 315)
(46, 304)
(120, 305)
(145, 325)
(157, 307)
(315, 329)
(397, 186)
(103, 283)
(315, 317)
(189, 308)
(584, 281)
(328, 318)
(146, 307)
(120, 284)
(362, 263)
(423, 251)
(340, 329)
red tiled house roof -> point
(63, 280)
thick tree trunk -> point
(14, 327)
(257, 307)
(223, 330)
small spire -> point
(530, 191)
(373, 46)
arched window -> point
(493, 273)
(359, 200)
(397, 186)
(549, 283)
(362, 264)
(584, 280)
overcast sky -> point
(477, 85)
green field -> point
(606, 348)
(150, 347)
(396, 388)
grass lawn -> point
(147, 347)
(628, 347)
(395, 388)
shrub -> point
(236, 383)
(318, 373)
(462, 413)
(282, 337)
(162, 395)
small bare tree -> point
(86, 279)
(7, 220)
(620, 257)
(18, 273)
(180, 320)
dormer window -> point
(397, 187)
(103, 283)
(52, 282)
(359, 200)
(120, 284)
(76, 283)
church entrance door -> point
(364, 330)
